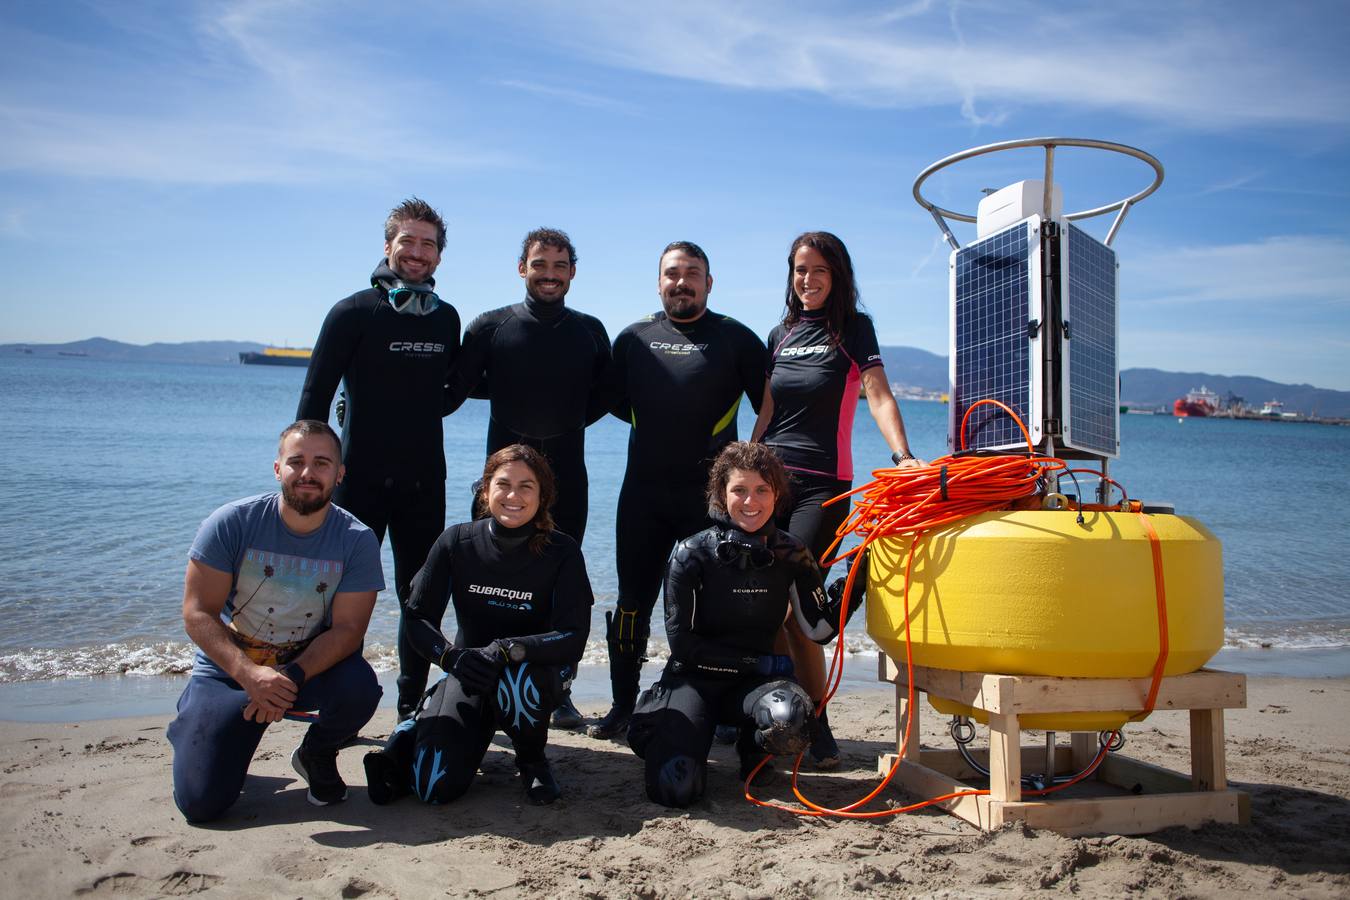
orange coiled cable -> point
(900, 502)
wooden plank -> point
(1129, 815)
(922, 782)
(1084, 747)
(1005, 757)
(1209, 771)
(1208, 690)
(887, 669)
(951, 762)
(1205, 689)
(1135, 775)
(903, 708)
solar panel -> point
(995, 296)
(1091, 393)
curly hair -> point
(548, 237)
(841, 307)
(747, 457)
(543, 474)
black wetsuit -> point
(394, 368)
(501, 590)
(726, 595)
(546, 368)
(680, 386)
(814, 379)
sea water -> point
(111, 466)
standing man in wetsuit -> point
(392, 346)
(544, 368)
(679, 375)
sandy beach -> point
(88, 812)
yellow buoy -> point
(1036, 593)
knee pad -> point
(782, 713)
(677, 782)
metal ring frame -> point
(940, 215)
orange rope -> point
(910, 502)
(1160, 591)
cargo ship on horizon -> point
(1197, 403)
(277, 356)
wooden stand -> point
(1152, 798)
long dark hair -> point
(543, 474)
(748, 457)
(841, 306)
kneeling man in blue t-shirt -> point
(278, 594)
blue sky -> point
(183, 171)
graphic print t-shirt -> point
(284, 583)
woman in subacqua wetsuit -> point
(522, 605)
(728, 589)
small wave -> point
(165, 658)
(175, 657)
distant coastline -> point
(914, 373)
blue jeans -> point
(213, 743)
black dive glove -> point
(478, 668)
(835, 591)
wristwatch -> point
(294, 672)
(515, 651)
(897, 457)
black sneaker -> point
(725, 734)
(611, 724)
(566, 715)
(541, 788)
(381, 777)
(320, 771)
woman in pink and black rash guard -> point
(819, 354)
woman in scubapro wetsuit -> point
(728, 589)
(522, 603)
(819, 354)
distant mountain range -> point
(904, 365)
(195, 352)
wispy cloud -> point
(245, 94)
(1195, 66)
(574, 97)
(1283, 271)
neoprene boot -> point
(750, 753)
(625, 674)
(566, 716)
(824, 748)
(541, 788)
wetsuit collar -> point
(815, 315)
(545, 310)
(725, 525)
(740, 549)
(406, 297)
(509, 538)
